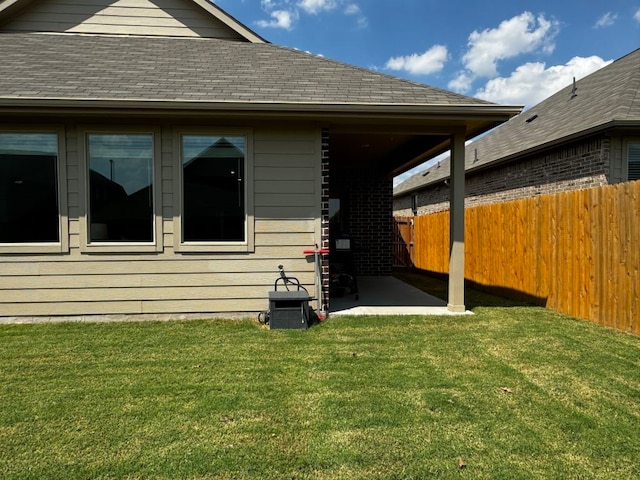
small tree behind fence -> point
(577, 252)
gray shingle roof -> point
(65, 66)
(609, 95)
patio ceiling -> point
(391, 152)
(403, 143)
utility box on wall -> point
(288, 309)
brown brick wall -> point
(575, 166)
(370, 198)
(371, 224)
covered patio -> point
(364, 154)
(387, 295)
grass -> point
(514, 392)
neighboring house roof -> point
(608, 98)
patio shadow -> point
(476, 295)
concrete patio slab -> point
(387, 295)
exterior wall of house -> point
(127, 17)
(619, 155)
(574, 166)
(286, 168)
(370, 197)
(325, 239)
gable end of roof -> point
(197, 18)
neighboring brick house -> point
(586, 135)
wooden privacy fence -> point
(578, 252)
(402, 230)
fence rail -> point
(577, 251)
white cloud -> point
(606, 20)
(354, 10)
(524, 33)
(461, 83)
(284, 13)
(363, 22)
(426, 63)
(636, 16)
(280, 19)
(531, 83)
(316, 6)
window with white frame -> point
(120, 182)
(214, 198)
(633, 161)
(29, 191)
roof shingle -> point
(100, 67)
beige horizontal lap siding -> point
(128, 17)
(133, 307)
(148, 280)
(79, 284)
(287, 202)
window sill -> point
(207, 247)
(121, 248)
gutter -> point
(490, 112)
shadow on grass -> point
(476, 295)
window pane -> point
(213, 208)
(634, 161)
(28, 188)
(120, 187)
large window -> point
(120, 180)
(29, 209)
(213, 172)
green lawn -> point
(513, 392)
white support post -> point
(456, 230)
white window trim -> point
(625, 157)
(62, 246)
(86, 246)
(214, 247)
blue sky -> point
(505, 51)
